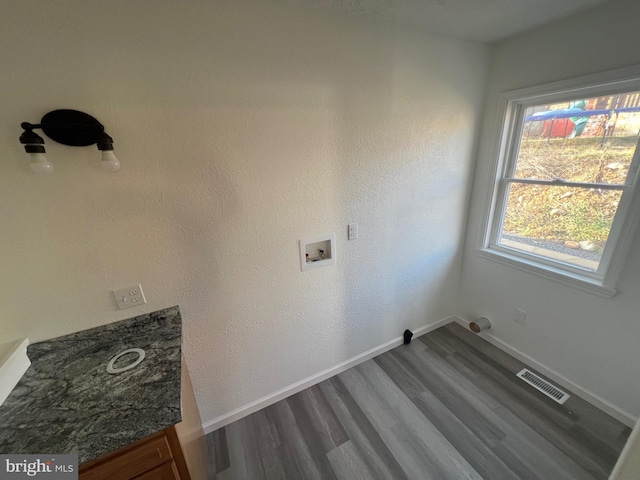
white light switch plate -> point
(129, 297)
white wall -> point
(589, 340)
(241, 127)
(628, 466)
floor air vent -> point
(545, 387)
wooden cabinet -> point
(176, 453)
(166, 471)
(151, 454)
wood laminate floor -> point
(447, 406)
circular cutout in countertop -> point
(111, 369)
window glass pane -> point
(564, 224)
(587, 140)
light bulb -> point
(39, 163)
(109, 161)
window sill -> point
(584, 283)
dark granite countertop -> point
(67, 402)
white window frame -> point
(511, 108)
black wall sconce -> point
(68, 127)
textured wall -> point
(241, 128)
(590, 340)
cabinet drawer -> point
(166, 471)
(131, 461)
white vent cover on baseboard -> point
(541, 384)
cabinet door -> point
(166, 471)
(127, 463)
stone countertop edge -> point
(67, 403)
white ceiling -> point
(480, 20)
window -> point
(566, 176)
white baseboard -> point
(259, 404)
(604, 405)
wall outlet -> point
(353, 231)
(129, 297)
(519, 316)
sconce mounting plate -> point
(72, 127)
